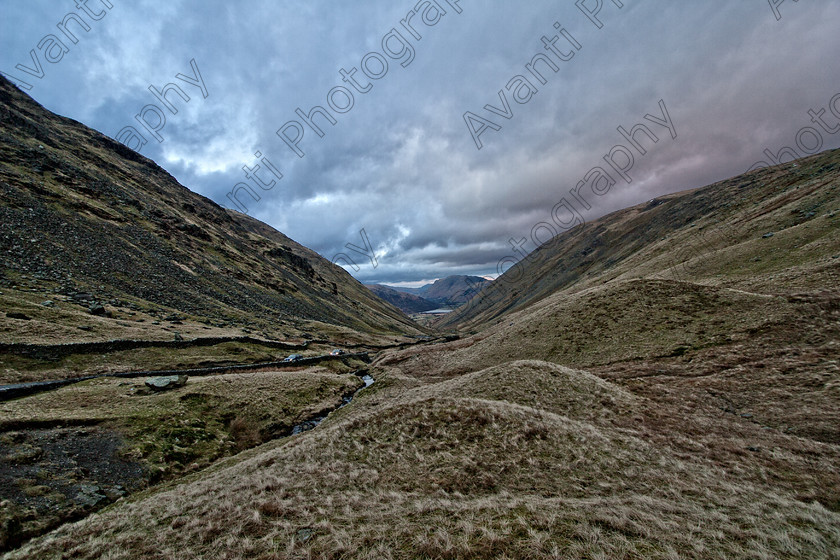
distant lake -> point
(437, 311)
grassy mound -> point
(543, 386)
(454, 478)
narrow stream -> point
(309, 424)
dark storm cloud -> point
(401, 162)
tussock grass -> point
(431, 476)
(621, 321)
(542, 386)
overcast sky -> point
(716, 82)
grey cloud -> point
(401, 163)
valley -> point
(662, 382)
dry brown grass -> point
(704, 425)
(618, 322)
(708, 432)
(702, 356)
(298, 393)
(542, 386)
(435, 475)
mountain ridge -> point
(450, 290)
(83, 214)
(404, 301)
(669, 236)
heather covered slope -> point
(716, 235)
(85, 221)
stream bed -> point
(313, 422)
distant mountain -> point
(407, 303)
(452, 290)
(82, 214)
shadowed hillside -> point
(94, 229)
(452, 290)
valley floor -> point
(685, 444)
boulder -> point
(90, 495)
(166, 382)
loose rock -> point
(96, 310)
(166, 382)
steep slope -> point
(84, 222)
(714, 235)
(719, 309)
(772, 356)
(405, 302)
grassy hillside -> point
(460, 469)
(86, 223)
(652, 417)
(661, 383)
(108, 265)
(717, 235)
